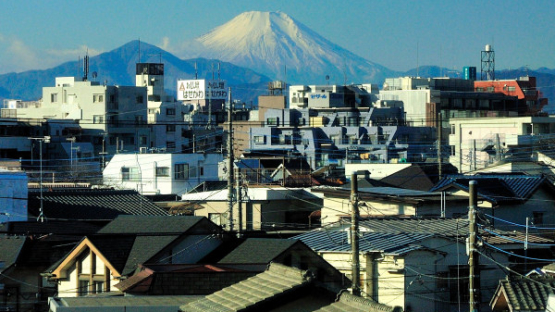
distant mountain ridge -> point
(117, 67)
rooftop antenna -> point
(139, 49)
(196, 71)
(212, 71)
(86, 66)
(417, 56)
(488, 63)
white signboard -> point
(200, 89)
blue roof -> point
(337, 241)
(495, 187)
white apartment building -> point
(114, 117)
(162, 173)
(329, 96)
(476, 143)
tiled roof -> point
(125, 252)
(128, 224)
(348, 302)
(10, 248)
(278, 280)
(122, 302)
(73, 227)
(526, 294)
(258, 250)
(92, 204)
(337, 240)
(496, 187)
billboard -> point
(201, 89)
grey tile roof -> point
(278, 280)
(336, 241)
(125, 252)
(122, 302)
(258, 250)
(527, 294)
(348, 302)
(10, 249)
(92, 204)
(129, 224)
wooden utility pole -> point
(473, 260)
(354, 235)
(230, 162)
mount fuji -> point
(277, 46)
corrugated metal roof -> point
(496, 187)
(337, 241)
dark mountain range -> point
(117, 67)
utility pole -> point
(439, 136)
(230, 162)
(239, 208)
(354, 236)
(473, 261)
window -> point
(272, 121)
(98, 287)
(98, 98)
(170, 128)
(54, 97)
(170, 144)
(129, 174)
(142, 140)
(162, 171)
(139, 99)
(288, 139)
(452, 149)
(170, 111)
(452, 129)
(152, 110)
(98, 119)
(83, 287)
(259, 139)
(181, 171)
(217, 218)
(537, 217)
(201, 169)
(490, 89)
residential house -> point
(90, 204)
(262, 208)
(161, 173)
(377, 199)
(416, 263)
(279, 288)
(100, 261)
(508, 200)
(524, 293)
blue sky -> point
(396, 34)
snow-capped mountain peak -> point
(269, 42)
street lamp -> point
(71, 149)
(45, 139)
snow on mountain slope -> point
(269, 42)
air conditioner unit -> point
(143, 150)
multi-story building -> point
(333, 135)
(112, 117)
(161, 173)
(476, 143)
(530, 102)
